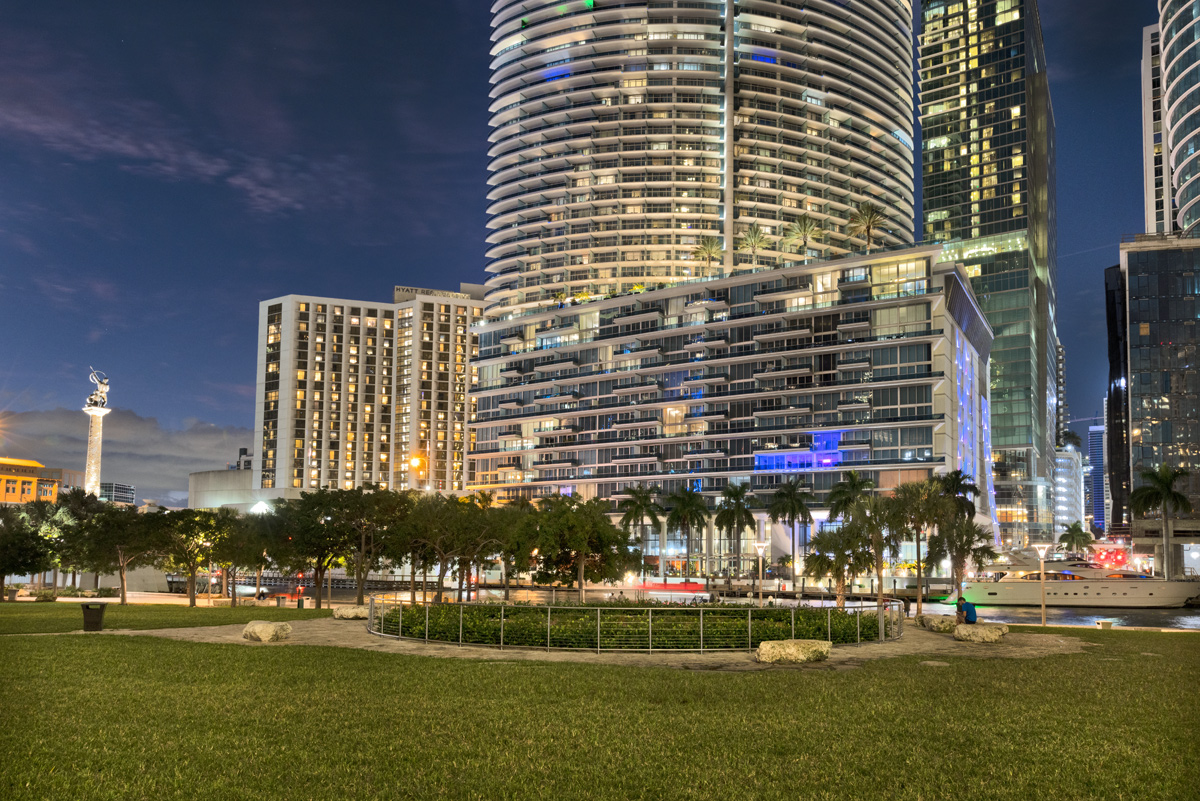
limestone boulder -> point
(266, 631)
(942, 624)
(793, 652)
(351, 612)
(979, 632)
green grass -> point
(43, 618)
(140, 717)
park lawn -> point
(52, 618)
(142, 717)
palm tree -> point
(582, 296)
(639, 507)
(1158, 492)
(865, 220)
(688, 510)
(924, 505)
(842, 553)
(734, 515)
(789, 505)
(560, 297)
(1074, 539)
(961, 489)
(1069, 437)
(753, 240)
(805, 230)
(846, 494)
(959, 541)
(874, 518)
(708, 249)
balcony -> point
(512, 403)
(512, 339)
(785, 292)
(556, 461)
(568, 428)
(557, 329)
(646, 421)
(635, 458)
(711, 304)
(784, 332)
(510, 433)
(783, 371)
(650, 313)
(557, 364)
(707, 341)
(636, 389)
(854, 324)
(775, 411)
(561, 396)
(706, 415)
(854, 279)
(856, 403)
(513, 370)
(857, 363)
(642, 352)
(715, 377)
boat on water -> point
(1014, 579)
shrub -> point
(676, 628)
(44, 596)
(107, 592)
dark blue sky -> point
(166, 166)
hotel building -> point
(988, 168)
(353, 392)
(875, 363)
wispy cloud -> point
(137, 450)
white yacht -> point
(1014, 580)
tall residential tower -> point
(988, 167)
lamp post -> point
(1041, 548)
(760, 547)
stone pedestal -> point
(91, 473)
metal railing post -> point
(829, 624)
(749, 629)
(858, 624)
(650, 637)
(793, 622)
(370, 614)
(426, 621)
(460, 616)
(547, 629)
(701, 631)
(502, 627)
(597, 629)
(400, 621)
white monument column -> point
(91, 473)
(96, 408)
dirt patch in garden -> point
(353, 634)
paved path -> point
(353, 634)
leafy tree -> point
(789, 505)
(734, 515)
(434, 527)
(189, 538)
(245, 547)
(49, 520)
(709, 249)
(579, 543)
(803, 230)
(23, 551)
(370, 514)
(754, 239)
(318, 535)
(960, 540)
(518, 526)
(121, 538)
(865, 221)
(1072, 439)
(1074, 539)
(1158, 492)
(689, 511)
(639, 509)
(842, 553)
(82, 506)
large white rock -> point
(266, 631)
(793, 652)
(942, 624)
(966, 632)
(351, 612)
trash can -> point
(299, 603)
(93, 616)
(279, 600)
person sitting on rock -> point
(965, 611)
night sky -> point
(166, 166)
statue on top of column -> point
(99, 397)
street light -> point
(760, 547)
(1041, 548)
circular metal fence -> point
(629, 628)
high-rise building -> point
(1068, 489)
(876, 363)
(1062, 410)
(114, 492)
(1156, 178)
(1098, 494)
(624, 135)
(988, 170)
(355, 392)
(1153, 301)
(1179, 29)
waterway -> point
(1076, 616)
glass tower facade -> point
(988, 170)
(624, 134)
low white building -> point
(1068, 489)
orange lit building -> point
(20, 482)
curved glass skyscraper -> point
(625, 132)
(1179, 21)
